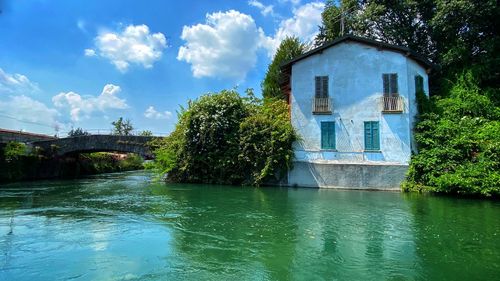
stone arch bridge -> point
(96, 143)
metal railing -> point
(392, 104)
(322, 106)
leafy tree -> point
(332, 18)
(459, 144)
(121, 127)
(288, 49)
(77, 132)
(224, 138)
(146, 133)
(14, 150)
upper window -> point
(390, 84)
(419, 84)
(372, 135)
(328, 135)
(321, 86)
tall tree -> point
(289, 48)
(337, 20)
(122, 127)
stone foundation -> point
(347, 176)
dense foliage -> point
(459, 144)
(224, 138)
(288, 49)
(77, 132)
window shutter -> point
(419, 83)
(325, 87)
(331, 133)
(317, 81)
(394, 83)
(375, 136)
(368, 136)
(327, 135)
(324, 135)
(385, 78)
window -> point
(372, 138)
(419, 84)
(321, 86)
(327, 135)
(390, 81)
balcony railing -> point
(392, 104)
(322, 106)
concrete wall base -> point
(347, 176)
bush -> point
(226, 139)
(459, 144)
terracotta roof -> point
(404, 50)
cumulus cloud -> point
(303, 24)
(16, 84)
(264, 10)
(151, 113)
(133, 45)
(28, 113)
(79, 106)
(224, 46)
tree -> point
(121, 127)
(146, 133)
(333, 17)
(77, 132)
(288, 49)
(227, 139)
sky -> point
(70, 64)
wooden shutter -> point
(325, 87)
(419, 83)
(368, 136)
(328, 135)
(317, 82)
(394, 84)
(385, 78)
(372, 135)
(375, 136)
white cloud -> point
(303, 24)
(133, 45)
(151, 113)
(293, 2)
(225, 46)
(89, 52)
(85, 105)
(16, 84)
(264, 10)
(28, 114)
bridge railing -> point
(64, 134)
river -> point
(123, 226)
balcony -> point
(322, 106)
(392, 104)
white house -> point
(353, 105)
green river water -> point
(124, 227)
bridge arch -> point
(97, 143)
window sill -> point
(372, 151)
(392, 111)
(328, 150)
(322, 113)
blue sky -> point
(67, 64)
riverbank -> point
(33, 167)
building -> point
(353, 104)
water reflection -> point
(122, 226)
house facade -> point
(353, 104)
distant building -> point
(353, 105)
